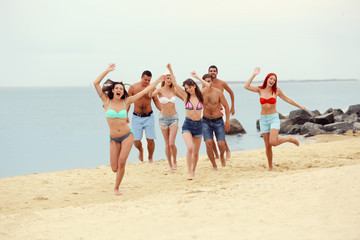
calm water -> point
(52, 129)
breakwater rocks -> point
(311, 123)
(235, 127)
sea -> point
(54, 129)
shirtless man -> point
(143, 117)
(221, 85)
(212, 121)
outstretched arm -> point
(177, 87)
(137, 96)
(227, 112)
(248, 83)
(193, 73)
(288, 100)
(102, 95)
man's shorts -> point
(216, 125)
(268, 122)
(143, 123)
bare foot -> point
(228, 154)
(174, 167)
(214, 169)
(191, 176)
(294, 141)
(270, 169)
(117, 192)
(141, 155)
(150, 160)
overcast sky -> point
(70, 42)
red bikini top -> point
(269, 100)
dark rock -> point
(338, 131)
(353, 109)
(336, 112)
(339, 125)
(328, 111)
(295, 129)
(286, 125)
(258, 124)
(338, 118)
(282, 116)
(351, 118)
(313, 128)
(300, 116)
(315, 113)
(323, 119)
(236, 127)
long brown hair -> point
(191, 82)
(109, 85)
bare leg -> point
(227, 149)
(210, 153)
(275, 140)
(172, 136)
(151, 148)
(138, 145)
(114, 155)
(197, 143)
(214, 148)
(126, 145)
(268, 149)
(221, 145)
(189, 154)
(165, 133)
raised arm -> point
(177, 87)
(102, 95)
(193, 73)
(288, 100)
(227, 112)
(137, 96)
(248, 83)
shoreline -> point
(314, 190)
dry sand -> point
(314, 193)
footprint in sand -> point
(40, 198)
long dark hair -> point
(274, 87)
(109, 85)
(191, 82)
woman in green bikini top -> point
(116, 102)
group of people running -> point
(204, 117)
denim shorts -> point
(166, 121)
(143, 123)
(193, 127)
(268, 122)
(216, 125)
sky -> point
(70, 42)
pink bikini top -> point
(189, 106)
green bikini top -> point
(113, 114)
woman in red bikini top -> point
(269, 119)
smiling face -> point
(271, 81)
(190, 89)
(145, 80)
(213, 72)
(118, 91)
(168, 80)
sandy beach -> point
(314, 193)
